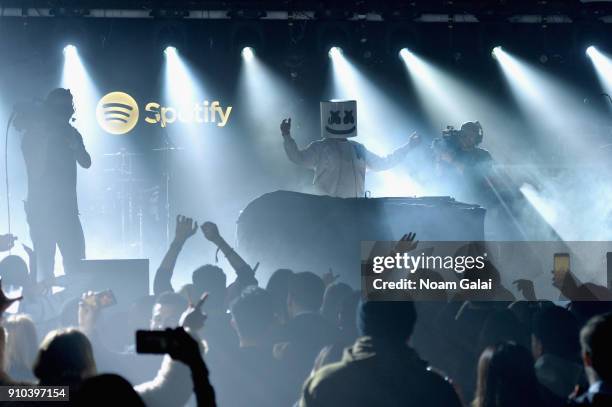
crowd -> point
(303, 339)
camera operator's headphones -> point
(473, 127)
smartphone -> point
(102, 299)
(157, 342)
(561, 264)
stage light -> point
(496, 51)
(450, 100)
(170, 51)
(70, 49)
(248, 53)
(552, 105)
(522, 79)
(378, 114)
(552, 111)
(335, 52)
(265, 93)
(76, 77)
(179, 81)
(405, 53)
(591, 51)
(183, 92)
(84, 92)
(444, 99)
(603, 67)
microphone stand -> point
(6, 173)
(168, 145)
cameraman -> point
(51, 149)
(462, 166)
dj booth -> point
(299, 231)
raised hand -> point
(28, 250)
(193, 317)
(211, 231)
(7, 242)
(185, 228)
(558, 279)
(329, 277)
(6, 302)
(414, 140)
(187, 349)
(285, 126)
(526, 288)
(88, 311)
(406, 243)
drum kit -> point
(132, 197)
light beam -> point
(85, 94)
(383, 125)
(603, 67)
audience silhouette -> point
(304, 339)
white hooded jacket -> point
(340, 164)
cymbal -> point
(122, 154)
(168, 149)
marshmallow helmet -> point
(339, 119)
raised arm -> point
(245, 274)
(171, 386)
(172, 379)
(185, 228)
(377, 163)
(193, 321)
(189, 352)
(307, 157)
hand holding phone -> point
(156, 342)
(561, 267)
(100, 299)
(175, 342)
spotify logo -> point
(117, 113)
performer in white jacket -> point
(340, 164)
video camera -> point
(448, 142)
(452, 140)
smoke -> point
(576, 202)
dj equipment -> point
(309, 232)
